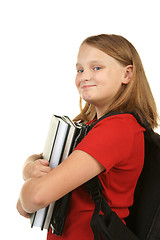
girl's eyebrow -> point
(78, 64)
(96, 62)
(91, 62)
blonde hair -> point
(135, 96)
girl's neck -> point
(101, 111)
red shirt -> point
(117, 142)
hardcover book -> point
(61, 140)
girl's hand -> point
(36, 167)
(21, 211)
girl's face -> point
(99, 76)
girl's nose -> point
(86, 76)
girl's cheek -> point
(77, 82)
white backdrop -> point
(39, 41)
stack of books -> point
(62, 138)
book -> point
(59, 144)
(72, 134)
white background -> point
(39, 41)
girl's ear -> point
(128, 72)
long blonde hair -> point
(135, 96)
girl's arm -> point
(77, 169)
(21, 210)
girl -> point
(110, 77)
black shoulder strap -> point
(94, 188)
(108, 226)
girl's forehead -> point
(87, 49)
(92, 55)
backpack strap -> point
(108, 226)
(94, 188)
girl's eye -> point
(79, 71)
(97, 68)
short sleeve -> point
(111, 139)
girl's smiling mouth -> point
(87, 86)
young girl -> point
(110, 77)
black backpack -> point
(143, 222)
